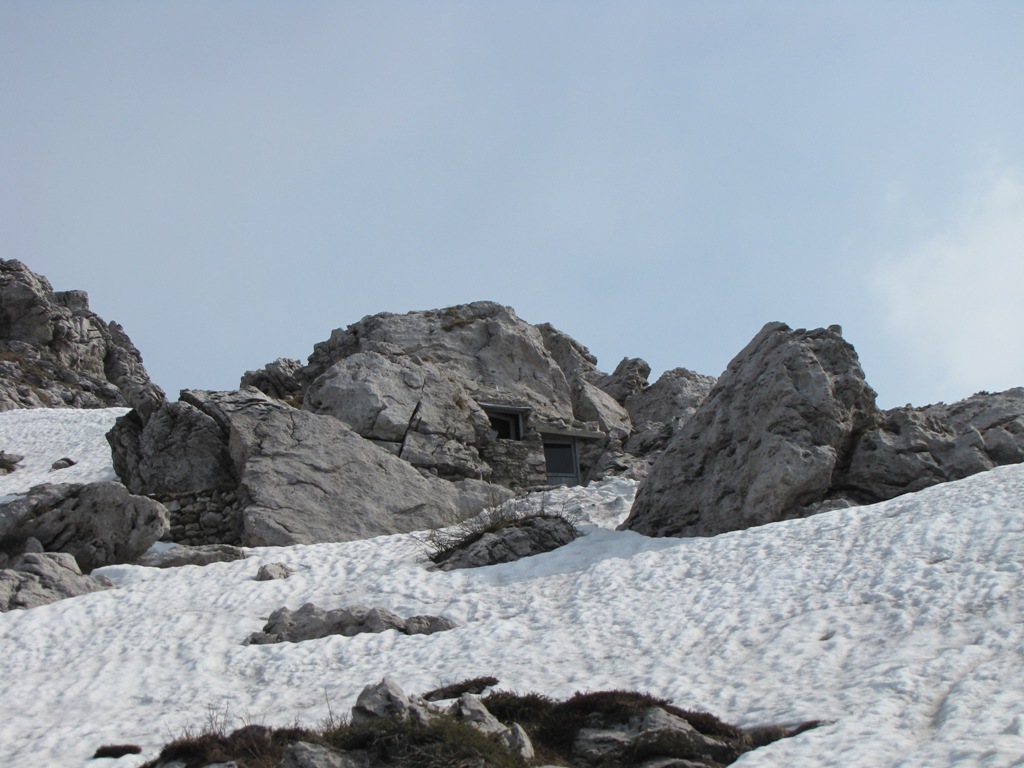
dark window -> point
(507, 425)
(560, 459)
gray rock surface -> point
(909, 449)
(662, 409)
(764, 444)
(411, 407)
(175, 557)
(9, 462)
(311, 623)
(524, 538)
(281, 379)
(98, 523)
(36, 579)
(272, 572)
(385, 699)
(56, 353)
(302, 477)
(483, 345)
(791, 428)
(178, 448)
(304, 755)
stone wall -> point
(207, 517)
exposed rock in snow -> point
(272, 572)
(177, 556)
(764, 444)
(523, 538)
(40, 578)
(98, 523)
(310, 623)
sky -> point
(231, 181)
(901, 624)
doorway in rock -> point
(561, 459)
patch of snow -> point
(901, 622)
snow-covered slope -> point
(901, 623)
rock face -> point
(791, 428)
(56, 353)
(466, 392)
(98, 524)
(40, 578)
(763, 446)
(300, 477)
(312, 623)
(471, 395)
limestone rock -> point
(273, 572)
(311, 623)
(764, 444)
(281, 379)
(98, 523)
(309, 478)
(180, 555)
(909, 448)
(425, 416)
(179, 448)
(302, 754)
(525, 538)
(385, 699)
(483, 345)
(56, 353)
(792, 429)
(301, 477)
(9, 462)
(41, 578)
(629, 378)
(672, 400)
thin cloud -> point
(955, 297)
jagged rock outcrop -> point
(311, 623)
(791, 428)
(281, 379)
(55, 352)
(98, 523)
(40, 578)
(912, 448)
(448, 374)
(764, 444)
(662, 409)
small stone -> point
(273, 571)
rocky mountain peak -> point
(55, 352)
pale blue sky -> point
(232, 180)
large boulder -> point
(55, 352)
(40, 578)
(309, 478)
(178, 448)
(301, 477)
(98, 523)
(764, 444)
(791, 429)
